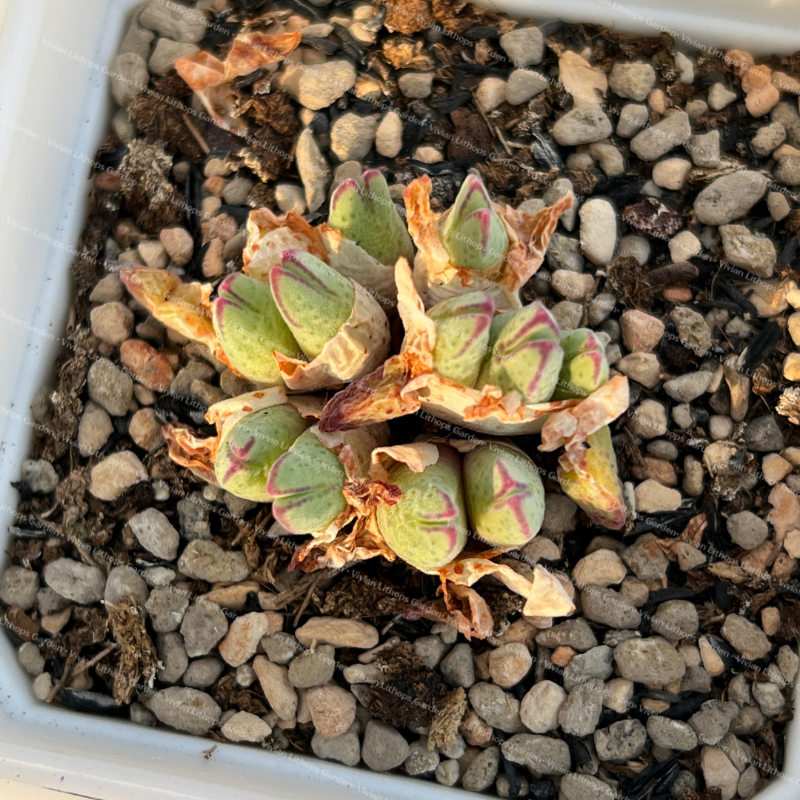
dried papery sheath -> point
(270, 235)
(588, 467)
(494, 263)
(184, 307)
(504, 494)
(268, 449)
(363, 211)
(211, 78)
(585, 367)
(593, 482)
(408, 382)
(250, 328)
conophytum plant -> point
(362, 210)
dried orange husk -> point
(211, 78)
(437, 279)
(269, 235)
(183, 307)
(352, 448)
(406, 383)
(361, 344)
(570, 427)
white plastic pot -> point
(54, 110)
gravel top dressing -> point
(430, 402)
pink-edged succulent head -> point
(472, 232)
(313, 299)
(249, 448)
(363, 210)
(595, 484)
(585, 366)
(427, 527)
(305, 485)
(525, 354)
(249, 328)
(504, 493)
(462, 336)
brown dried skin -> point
(158, 115)
(437, 279)
(411, 691)
(137, 655)
(149, 195)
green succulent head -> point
(250, 447)
(585, 367)
(525, 354)
(428, 525)
(249, 328)
(362, 210)
(305, 485)
(462, 336)
(505, 495)
(471, 231)
(594, 485)
(313, 299)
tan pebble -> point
(657, 101)
(785, 83)
(246, 727)
(338, 632)
(775, 468)
(53, 623)
(215, 185)
(274, 680)
(244, 634)
(740, 60)
(145, 430)
(770, 620)
(223, 226)
(332, 708)
(677, 294)
(233, 596)
(655, 706)
(475, 731)
(562, 656)
(761, 101)
(792, 543)
(213, 263)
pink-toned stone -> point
(641, 332)
(332, 709)
(223, 226)
(244, 634)
(146, 364)
(145, 429)
(178, 243)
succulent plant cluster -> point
(518, 351)
(309, 313)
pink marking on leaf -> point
(238, 458)
(511, 494)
